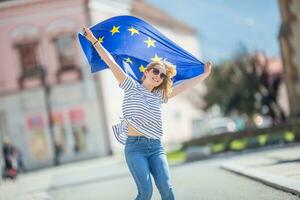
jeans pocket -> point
(131, 141)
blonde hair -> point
(166, 85)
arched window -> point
(63, 32)
(28, 57)
(26, 40)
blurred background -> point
(53, 110)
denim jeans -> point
(144, 157)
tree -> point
(241, 85)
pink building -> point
(43, 75)
(36, 36)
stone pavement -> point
(36, 185)
(279, 168)
(109, 179)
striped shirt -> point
(142, 109)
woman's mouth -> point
(155, 80)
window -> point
(28, 56)
(66, 55)
(65, 51)
(33, 74)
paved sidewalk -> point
(109, 179)
(279, 168)
(36, 184)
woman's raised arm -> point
(105, 55)
(191, 82)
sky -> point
(223, 25)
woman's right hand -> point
(89, 35)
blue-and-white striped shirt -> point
(142, 109)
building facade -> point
(49, 104)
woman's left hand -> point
(207, 68)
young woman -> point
(141, 126)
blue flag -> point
(133, 43)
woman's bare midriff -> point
(132, 131)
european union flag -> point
(133, 43)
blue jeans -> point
(145, 156)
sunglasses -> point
(156, 71)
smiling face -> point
(158, 76)
(155, 74)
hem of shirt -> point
(142, 132)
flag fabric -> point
(133, 43)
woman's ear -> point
(146, 72)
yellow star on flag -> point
(100, 39)
(142, 68)
(115, 29)
(156, 58)
(133, 31)
(150, 42)
(128, 60)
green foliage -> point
(238, 144)
(289, 136)
(233, 85)
(217, 147)
(262, 139)
(176, 156)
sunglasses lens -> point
(155, 71)
(162, 76)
